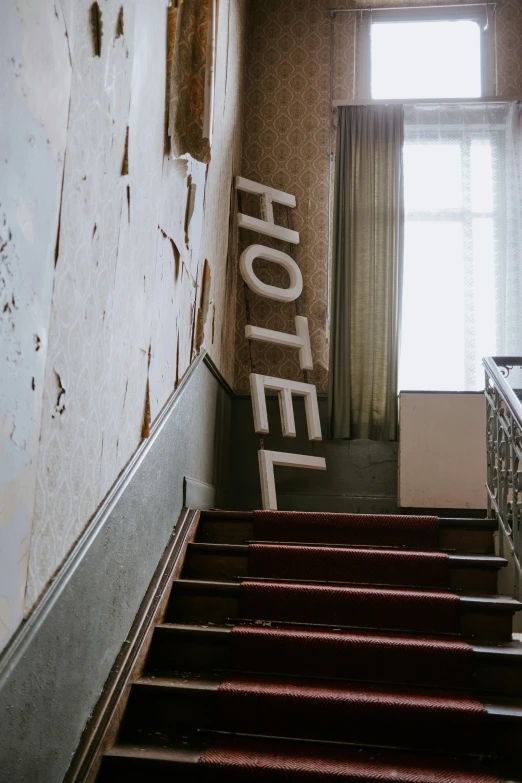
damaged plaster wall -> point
(286, 146)
(35, 79)
(133, 233)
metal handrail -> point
(492, 364)
(504, 456)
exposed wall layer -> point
(34, 106)
(118, 270)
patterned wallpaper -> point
(286, 145)
(509, 47)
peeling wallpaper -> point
(34, 105)
(126, 241)
(286, 145)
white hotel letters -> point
(301, 340)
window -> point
(453, 221)
(430, 53)
(453, 156)
(395, 46)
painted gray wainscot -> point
(360, 476)
(53, 672)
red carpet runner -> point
(387, 687)
(249, 761)
(356, 529)
(338, 712)
(383, 658)
(338, 564)
(361, 607)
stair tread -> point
(511, 650)
(422, 678)
(218, 515)
(243, 549)
(496, 601)
(491, 560)
(469, 522)
(180, 683)
(499, 706)
(153, 752)
(316, 753)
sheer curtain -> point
(462, 291)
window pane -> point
(432, 177)
(426, 60)
(432, 344)
(481, 176)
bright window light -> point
(433, 177)
(449, 254)
(432, 349)
(425, 60)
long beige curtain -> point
(366, 273)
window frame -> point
(483, 15)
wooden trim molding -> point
(101, 731)
(217, 375)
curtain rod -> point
(415, 101)
(488, 4)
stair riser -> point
(172, 653)
(169, 713)
(156, 715)
(241, 532)
(225, 532)
(473, 542)
(122, 770)
(138, 770)
(200, 607)
(175, 653)
(224, 567)
(474, 579)
(497, 677)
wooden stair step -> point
(197, 648)
(473, 536)
(222, 562)
(193, 601)
(170, 706)
(134, 763)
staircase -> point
(329, 647)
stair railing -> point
(504, 455)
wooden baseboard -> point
(101, 731)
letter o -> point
(246, 266)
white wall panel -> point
(35, 80)
(442, 450)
